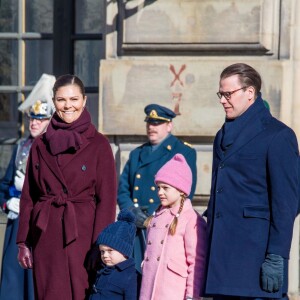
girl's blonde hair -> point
(172, 228)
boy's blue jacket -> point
(117, 282)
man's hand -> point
(19, 180)
(13, 204)
(272, 273)
(140, 215)
(24, 256)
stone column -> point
(111, 23)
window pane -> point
(38, 59)
(8, 115)
(92, 105)
(39, 16)
(8, 62)
(8, 15)
(90, 16)
(87, 59)
(5, 107)
(8, 107)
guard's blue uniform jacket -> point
(136, 184)
(16, 283)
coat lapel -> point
(51, 162)
(68, 158)
(86, 140)
(145, 153)
(251, 129)
(147, 157)
(218, 145)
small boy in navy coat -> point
(118, 278)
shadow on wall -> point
(129, 12)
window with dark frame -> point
(47, 36)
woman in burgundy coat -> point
(69, 196)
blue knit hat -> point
(120, 235)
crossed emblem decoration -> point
(177, 75)
(177, 94)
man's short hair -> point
(248, 76)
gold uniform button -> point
(151, 200)
(136, 188)
(169, 147)
(135, 200)
(138, 176)
(152, 188)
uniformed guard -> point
(39, 104)
(137, 190)
(17, 283)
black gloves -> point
(272, 273)
(141, 215)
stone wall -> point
(172, 52)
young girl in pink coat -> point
(174, 260)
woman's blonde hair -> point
(172, 228)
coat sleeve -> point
(106, 189)
(29, 193)
(195, 248)
(282, 163)
(8, 179)
(124, 189)
(191, 159)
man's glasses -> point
(227, 95)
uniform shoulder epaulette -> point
(187, 144)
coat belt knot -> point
(43, 208)
(59, 201)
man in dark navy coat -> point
(137, 190)
(254, 194)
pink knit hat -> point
(177, 173)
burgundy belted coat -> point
(66, 201)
